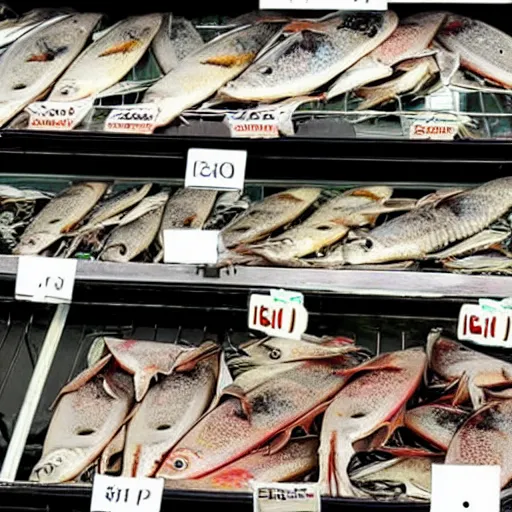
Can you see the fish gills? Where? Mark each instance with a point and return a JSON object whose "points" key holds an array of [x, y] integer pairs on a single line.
{"points": [[170, 408], [267, 215], [108, 59], [370, 405], [32, 64], [82, 425], [59, 216]]}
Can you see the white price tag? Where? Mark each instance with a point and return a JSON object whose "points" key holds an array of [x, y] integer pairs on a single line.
{"points": [[271, 497], [56, 115], [41, 279], [490, 328], [123, 494], [276, 318], [132, 119], [434, 129], [465, 488], [327, 5], [219, 169], [191, 246], [253, 124], [444, 99]]}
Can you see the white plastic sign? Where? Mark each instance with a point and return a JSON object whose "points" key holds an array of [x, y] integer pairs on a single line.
{"points": [[277, 318], [191, 246], [328, 5], [272, 497], [484, 326], [132, 119], [465, 488], [257, 124], [218, 169], [41, 279], [56, 115], [123, 494]]}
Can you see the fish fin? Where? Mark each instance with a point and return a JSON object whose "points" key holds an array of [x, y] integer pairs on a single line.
{"points": [[82, 379], [230, 61], [436, 197], [409, 451], [124, 47], [109, 387], [279, 442], [188, 360], [381, 435], [237, 392], [381, 363], [462, 394], [499, 395], [305, 25]]}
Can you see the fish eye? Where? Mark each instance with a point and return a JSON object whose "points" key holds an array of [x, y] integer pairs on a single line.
{"points": [[368, 243], [180, 464], [266, 70], [275, 354]]}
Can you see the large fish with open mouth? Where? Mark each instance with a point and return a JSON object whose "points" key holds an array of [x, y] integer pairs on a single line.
{"points": [[312, 54], [33, 63], [365, 413], [108, 59], [241, 424]]}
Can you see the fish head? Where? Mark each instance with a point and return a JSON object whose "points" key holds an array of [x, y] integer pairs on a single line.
{"points": [[60, 465], [183, 463], [367, 250], [34, 243]]}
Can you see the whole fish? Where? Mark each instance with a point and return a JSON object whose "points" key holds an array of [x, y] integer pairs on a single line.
{"points": [[241, 424], [130, 239], [366, 411], [453, 361], [107, 60], [483, 49], [264, 217], [484, 439], [176, 39], [436, 423], [31, 65], [431, 227], [417, 74], [146, 359], [490, 262], [413, 473], [201, 74], [60, 216], [312, 54], [296, 459], [169, 409], [330, 223], [82, 425], [410, 40]]}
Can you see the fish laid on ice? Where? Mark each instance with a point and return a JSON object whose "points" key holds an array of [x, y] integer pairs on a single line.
{"points": [[453, 361], [31, 65], [202, 73], [169, 409], [295, 460], [436, 423], [484, 439], [434, 226], [132, 237], [366, 411], [176, 39], [146, 359], [82, 425], [264, 217], [413, 473], [410, 40], [330, 223], [483, 49], [107, 60], [241, 424], [312, 54], [60, 216]]}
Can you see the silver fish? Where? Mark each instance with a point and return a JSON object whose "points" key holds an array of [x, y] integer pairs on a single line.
{"points": [[481, 263]]}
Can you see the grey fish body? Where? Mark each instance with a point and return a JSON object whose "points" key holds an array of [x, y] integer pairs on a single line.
{"points": [[492, 262], [32, 64], [432, 227]]}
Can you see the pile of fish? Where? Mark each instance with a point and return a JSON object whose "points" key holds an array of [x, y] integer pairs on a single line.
{"points": [[465, 230], [66, 56], [319, 410]]}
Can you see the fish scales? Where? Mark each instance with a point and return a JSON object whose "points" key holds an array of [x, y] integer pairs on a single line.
{"points": [[107, 60], [433, 226], [33, 63]]}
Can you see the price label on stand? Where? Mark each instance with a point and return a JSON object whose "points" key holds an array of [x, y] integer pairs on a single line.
{"points": [[465, 488], [253, 124], [122, 494], [191, 246], [219, 169], [48, 280], [271, 497], [488, 324], [327, 5], [56, 115], [132, 119], [278, 314]]}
